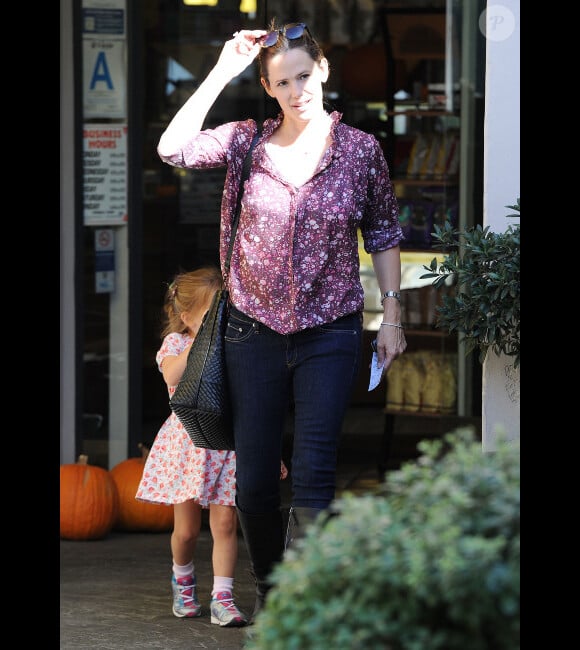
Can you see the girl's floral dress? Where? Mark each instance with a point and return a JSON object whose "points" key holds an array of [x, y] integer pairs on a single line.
{"points": [[176, 470]]}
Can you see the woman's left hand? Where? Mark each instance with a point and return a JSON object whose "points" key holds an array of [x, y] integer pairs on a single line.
{"points": [[391, 343]]}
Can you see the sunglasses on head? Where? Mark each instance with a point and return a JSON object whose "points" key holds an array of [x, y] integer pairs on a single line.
{"points": [[291, 31]]}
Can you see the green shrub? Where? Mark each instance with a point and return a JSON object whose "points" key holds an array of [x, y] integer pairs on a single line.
{"points": [[429, 561]]}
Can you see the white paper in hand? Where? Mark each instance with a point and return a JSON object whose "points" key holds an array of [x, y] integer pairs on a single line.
{"points": [[376, 373]]}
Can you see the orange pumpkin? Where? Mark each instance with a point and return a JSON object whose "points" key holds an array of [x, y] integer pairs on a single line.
{"points": [[134, 515], [88, 501]]}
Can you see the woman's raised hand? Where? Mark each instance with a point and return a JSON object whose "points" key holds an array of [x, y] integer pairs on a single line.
{"points": [[239, 51]]}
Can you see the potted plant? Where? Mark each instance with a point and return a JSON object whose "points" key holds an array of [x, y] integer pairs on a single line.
{"points": [[484, 266]]}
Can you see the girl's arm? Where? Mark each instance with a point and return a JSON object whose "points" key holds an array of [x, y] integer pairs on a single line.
{"points": [[172, 367]]}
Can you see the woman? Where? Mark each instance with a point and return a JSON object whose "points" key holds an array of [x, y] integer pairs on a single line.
{"points": [[295, 324]]}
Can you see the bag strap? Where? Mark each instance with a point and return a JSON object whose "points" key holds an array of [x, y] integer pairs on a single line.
{"points": [[245, 174]]}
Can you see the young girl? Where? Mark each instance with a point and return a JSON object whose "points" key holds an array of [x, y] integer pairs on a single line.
{"points": [[189, 477]]}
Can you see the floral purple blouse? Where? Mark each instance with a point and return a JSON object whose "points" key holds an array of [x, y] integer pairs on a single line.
{"points": [[295, 262]]}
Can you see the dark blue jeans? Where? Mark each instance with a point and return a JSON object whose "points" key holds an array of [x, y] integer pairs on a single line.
{"points": [[316, 370]]}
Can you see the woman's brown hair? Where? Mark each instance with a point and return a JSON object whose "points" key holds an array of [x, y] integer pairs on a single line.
{"points": [[305, 42]]}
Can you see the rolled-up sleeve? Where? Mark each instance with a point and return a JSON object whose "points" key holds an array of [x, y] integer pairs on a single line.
{"points": [[380, 226], [209, 148]]}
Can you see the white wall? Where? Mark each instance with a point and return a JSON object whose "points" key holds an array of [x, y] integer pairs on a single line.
{"points": [[501, 25]]}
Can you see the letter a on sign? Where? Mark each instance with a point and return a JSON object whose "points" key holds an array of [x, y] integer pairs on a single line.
{"points": [[104, 78], [101, 72]]}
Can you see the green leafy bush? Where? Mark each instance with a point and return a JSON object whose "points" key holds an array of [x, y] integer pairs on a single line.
{"points": [[485, 266], [430, 561]]}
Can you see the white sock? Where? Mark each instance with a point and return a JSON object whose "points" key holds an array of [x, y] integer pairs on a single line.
{"points": [[221, 583], [182, 571]]}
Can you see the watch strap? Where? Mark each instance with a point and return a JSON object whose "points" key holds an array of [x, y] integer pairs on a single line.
{"points": [[391, 294]]}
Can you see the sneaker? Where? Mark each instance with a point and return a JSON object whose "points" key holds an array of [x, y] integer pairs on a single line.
{"points": [[185, 601], [224, 611]]}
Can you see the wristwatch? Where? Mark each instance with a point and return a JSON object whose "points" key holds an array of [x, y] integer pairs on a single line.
{"points": [[391, 294]]}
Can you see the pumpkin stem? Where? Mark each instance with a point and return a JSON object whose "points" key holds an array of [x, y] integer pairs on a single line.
{"points": [[144, 450], [83, 459]]}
